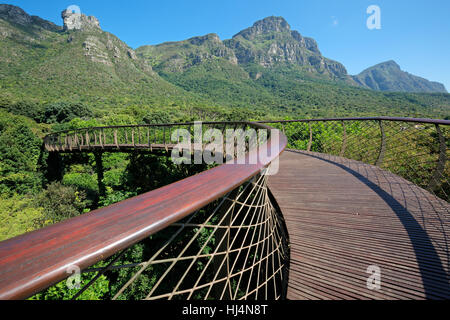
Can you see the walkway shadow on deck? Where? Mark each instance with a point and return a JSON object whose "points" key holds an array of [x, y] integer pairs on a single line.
{"points": [[413, 228]]}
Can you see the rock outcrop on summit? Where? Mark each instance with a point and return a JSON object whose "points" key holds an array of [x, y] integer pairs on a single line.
{"points": [[79, 21]]}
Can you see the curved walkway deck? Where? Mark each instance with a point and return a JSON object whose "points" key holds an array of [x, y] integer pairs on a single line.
{"points": [[344, 216]]}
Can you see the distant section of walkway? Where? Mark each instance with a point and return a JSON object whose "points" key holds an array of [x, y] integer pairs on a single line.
{"points": [[344, 216]]}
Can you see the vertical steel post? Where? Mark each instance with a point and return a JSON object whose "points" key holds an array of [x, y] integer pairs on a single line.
{"points": [[435, 180], [344, 140], [380, 158], [310, 137]]}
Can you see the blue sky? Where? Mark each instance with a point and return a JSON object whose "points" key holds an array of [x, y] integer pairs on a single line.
{"points": [[416, 34]]}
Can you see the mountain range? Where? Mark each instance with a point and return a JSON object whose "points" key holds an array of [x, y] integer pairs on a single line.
{"points": [[270, 42], [266, 67]]}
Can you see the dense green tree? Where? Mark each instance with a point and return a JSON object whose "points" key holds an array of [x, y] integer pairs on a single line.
{"points": [[18, 215], [19, 154], [61, 112], [61, 203], [29, 109]]}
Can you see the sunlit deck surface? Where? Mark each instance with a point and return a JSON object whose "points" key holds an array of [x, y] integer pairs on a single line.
{"points": [[344, 216]]}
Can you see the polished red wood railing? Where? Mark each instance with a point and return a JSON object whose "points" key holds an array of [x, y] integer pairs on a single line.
{"points": [[32, 262]]}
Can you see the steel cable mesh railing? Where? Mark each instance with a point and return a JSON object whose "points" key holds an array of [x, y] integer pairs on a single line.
{"points": [[153, 137], [415, 150], [234, 248]]}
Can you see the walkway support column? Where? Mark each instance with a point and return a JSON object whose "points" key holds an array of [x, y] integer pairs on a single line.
{"points": [[100, 172], [54, 170]]}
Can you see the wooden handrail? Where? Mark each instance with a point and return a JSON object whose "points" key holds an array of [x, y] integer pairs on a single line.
{"points": [[417, 120], [149, 126], [37, 260]]}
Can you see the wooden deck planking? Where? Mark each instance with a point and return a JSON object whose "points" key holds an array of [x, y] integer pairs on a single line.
{"points": [[343, 216]]}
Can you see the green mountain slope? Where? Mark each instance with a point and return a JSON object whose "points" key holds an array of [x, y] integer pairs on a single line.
{"points": [[388, 76], [204, 65], [89, 65], [327, 98]]}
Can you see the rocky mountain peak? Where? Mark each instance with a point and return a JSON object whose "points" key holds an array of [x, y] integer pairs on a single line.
{"points": [[79, 21], [17, 15], [388, 76], [273, 23], [271, 42], [391, 64], [14, 14], [200, 40], [266, 25]]}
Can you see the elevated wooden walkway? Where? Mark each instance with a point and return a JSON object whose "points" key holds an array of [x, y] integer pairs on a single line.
{"points": [[344, 216]]}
